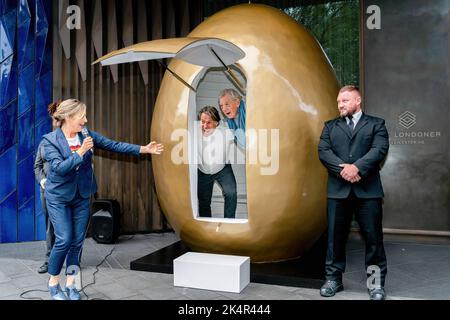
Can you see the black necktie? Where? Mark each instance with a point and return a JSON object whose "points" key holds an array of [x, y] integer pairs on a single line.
{"points": [[350, 123]]}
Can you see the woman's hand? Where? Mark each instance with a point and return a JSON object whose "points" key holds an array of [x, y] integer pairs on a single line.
{"points": [[87, 145], [152, 147]]}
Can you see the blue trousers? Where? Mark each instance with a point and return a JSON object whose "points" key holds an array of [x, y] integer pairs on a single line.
{"points": [[205, 185], [70, 221]]}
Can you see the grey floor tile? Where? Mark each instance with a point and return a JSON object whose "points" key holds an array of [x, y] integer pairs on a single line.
{"points": [[260, 291], [133, 282], [414, 253], [11, 297], [4, 277], [34, 293], [101, 279], [183, 298], [414, 272], [7, 289], [114, 291], [197, 294], [434, 290], [160, 293], [27, 281], [96, 296], [137, 297], [11, 268], [297, 296], [428, 269]]}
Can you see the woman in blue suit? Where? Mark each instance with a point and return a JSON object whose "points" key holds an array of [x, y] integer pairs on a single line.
{"points": [[70, 184]]}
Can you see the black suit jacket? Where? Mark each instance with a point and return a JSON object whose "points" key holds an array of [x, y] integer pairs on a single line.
{"points": [[365, 147]]}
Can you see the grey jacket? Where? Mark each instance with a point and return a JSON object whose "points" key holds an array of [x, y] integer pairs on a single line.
{"points": [[41, 167]]}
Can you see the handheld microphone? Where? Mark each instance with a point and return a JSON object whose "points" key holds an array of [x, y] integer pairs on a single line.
{"points": [[85, 134]]}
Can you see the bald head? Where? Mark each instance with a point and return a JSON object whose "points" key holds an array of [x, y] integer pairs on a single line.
{"points": [[350, 88], [349, 101]]}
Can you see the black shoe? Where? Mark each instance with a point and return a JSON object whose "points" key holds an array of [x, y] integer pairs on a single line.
{"points": [[330, 288], [43, 268], [377, 294]]}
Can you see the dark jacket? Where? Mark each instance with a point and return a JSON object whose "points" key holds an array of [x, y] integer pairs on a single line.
{"points": [[41, 167], [365, 147], [68, 171]]}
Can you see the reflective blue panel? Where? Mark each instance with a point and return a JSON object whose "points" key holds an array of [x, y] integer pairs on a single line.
{"points": [[24, 11], [43, 14], [40, 49], [26, 222], [5, 74], [26, 88], [40, 227], [8, 81], [5, 47], [26, 134], [8, 127], [25, 185], [8, 173], [41, 129], [41, 43], [8, 23], [25, 45], [8, 5], [22, 35], [47, 63], [43, 96], [8, 219]]}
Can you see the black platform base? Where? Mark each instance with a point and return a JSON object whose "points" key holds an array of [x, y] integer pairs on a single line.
{"points": [[306, 272]]}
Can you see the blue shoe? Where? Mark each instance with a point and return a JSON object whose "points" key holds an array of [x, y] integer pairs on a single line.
{"points": [[73, 293], [56, 292]]}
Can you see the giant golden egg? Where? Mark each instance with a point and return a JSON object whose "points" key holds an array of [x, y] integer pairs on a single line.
{"points": [[290, 87]]}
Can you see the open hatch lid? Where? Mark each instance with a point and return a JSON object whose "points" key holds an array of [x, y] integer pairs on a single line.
{"points": [[207, 52]]}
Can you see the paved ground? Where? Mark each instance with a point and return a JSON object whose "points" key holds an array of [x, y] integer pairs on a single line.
{"points": [[415, 271]]}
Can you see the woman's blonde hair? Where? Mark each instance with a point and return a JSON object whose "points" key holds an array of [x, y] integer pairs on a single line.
{"points": [[60, 111]]}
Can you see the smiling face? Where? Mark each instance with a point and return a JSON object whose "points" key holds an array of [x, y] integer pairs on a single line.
{"points": [[349, 103], [229, 106], [208, 124], [76, 122]]}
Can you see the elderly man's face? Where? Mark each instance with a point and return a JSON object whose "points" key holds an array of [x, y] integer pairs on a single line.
{"points": [[228, 106], [349, 102]]}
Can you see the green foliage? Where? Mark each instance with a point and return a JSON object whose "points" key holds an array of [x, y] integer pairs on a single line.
{"points": [[336, 27]]}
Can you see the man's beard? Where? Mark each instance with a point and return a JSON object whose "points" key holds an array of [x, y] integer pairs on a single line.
{"points": [[343, 114]]}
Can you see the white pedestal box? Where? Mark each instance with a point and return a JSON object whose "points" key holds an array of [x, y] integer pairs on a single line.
{"points": [[216, 272]]}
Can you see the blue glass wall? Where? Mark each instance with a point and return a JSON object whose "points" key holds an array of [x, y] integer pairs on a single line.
{"points": [[25, 92]]}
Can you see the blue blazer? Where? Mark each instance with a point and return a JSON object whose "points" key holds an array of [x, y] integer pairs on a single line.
{"points": [[68, 171], [365, 147]]}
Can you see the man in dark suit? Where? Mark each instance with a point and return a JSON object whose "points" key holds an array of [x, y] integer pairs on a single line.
{"points": [[352, 148], [41, 168]]}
